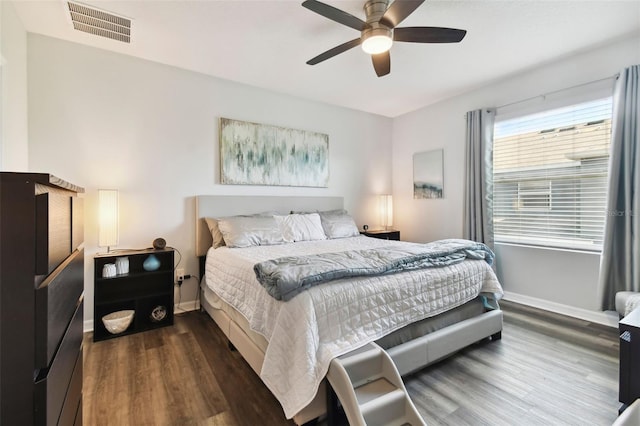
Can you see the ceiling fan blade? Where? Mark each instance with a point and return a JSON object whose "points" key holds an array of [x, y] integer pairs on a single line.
{"points": [[398, 11], [382, 63], [334, 14], [428, 34], [335, 51]]}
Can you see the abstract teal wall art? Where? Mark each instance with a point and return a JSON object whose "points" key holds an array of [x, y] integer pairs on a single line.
{"points": [[260, 154], [428, 174]]}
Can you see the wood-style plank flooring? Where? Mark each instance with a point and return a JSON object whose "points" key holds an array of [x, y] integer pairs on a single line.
{"points": [[546, 370]]}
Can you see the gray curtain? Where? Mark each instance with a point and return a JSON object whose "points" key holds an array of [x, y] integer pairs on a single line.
{"points": [[620, 262], [478, 188]]}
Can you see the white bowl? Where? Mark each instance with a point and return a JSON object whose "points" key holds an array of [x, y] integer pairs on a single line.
{"points": [[117, 322]]}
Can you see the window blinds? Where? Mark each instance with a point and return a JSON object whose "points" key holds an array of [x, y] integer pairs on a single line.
{"points": [[550, 176]]}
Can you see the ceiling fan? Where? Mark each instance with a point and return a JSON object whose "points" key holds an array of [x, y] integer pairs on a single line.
{"points": [[379, 31]]}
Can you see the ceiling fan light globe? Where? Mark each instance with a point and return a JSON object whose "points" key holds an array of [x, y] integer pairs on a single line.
{"points": [[377, 44]]}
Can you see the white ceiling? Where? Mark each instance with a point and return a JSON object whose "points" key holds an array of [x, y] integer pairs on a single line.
{"points": [[265, 43]]}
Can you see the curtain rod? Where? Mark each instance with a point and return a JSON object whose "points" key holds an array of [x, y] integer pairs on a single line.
{"points": [[615, 76]]}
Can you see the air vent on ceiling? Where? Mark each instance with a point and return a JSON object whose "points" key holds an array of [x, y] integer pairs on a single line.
{"points": [[99, 22]]}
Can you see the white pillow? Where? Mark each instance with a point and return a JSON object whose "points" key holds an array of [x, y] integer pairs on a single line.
{"points": [[216, 235], [301, 227], [338, 224], [247, 231]]}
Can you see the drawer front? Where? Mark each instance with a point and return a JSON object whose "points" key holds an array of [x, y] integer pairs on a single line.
{"points": [[73, 400], [77, 223], [78, 421], [53, 230], [52, 385], [629, 384], [626, 361], [56, 301]]}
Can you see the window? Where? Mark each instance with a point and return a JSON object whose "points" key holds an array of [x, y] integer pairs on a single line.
{"points": [[550, 176]]}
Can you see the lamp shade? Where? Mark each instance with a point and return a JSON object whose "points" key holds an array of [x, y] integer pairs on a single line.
{"points": [[386, 210], [108, 218]]}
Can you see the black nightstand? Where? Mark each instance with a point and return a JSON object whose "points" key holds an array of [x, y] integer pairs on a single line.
{"points": [[629, 384], [148, 293], [382, 234]]}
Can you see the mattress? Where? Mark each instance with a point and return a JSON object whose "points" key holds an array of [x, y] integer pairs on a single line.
{"points": [[305, 333]]}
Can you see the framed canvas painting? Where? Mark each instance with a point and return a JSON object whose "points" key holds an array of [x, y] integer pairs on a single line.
{"points": [[428, 174], [260, 154]]}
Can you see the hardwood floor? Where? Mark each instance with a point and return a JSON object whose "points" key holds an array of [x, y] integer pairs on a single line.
{"points": [[546, 370], [179, 375]]}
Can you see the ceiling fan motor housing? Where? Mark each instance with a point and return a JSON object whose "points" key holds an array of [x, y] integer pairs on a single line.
{"points": [[374, 10]]}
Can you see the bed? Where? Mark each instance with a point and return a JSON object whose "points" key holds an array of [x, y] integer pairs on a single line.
{"points": [[419, 316]]}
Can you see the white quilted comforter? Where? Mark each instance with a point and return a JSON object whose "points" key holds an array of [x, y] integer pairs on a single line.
{"points": [[308, 331]]}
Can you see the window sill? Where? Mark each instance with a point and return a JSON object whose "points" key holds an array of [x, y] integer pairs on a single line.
{"points": [[533, 246]]}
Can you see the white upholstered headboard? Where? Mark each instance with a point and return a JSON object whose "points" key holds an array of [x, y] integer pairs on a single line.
{"points": [[230, 205]]}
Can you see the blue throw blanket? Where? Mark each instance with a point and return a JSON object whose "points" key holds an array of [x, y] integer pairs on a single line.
{"points": [[285, 277]]}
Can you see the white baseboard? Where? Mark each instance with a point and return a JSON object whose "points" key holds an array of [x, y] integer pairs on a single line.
{"points": [[186, 306], [608, 318], [178, 308]]}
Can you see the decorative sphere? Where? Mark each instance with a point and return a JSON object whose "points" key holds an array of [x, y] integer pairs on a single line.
{"points": [[159, 243]]}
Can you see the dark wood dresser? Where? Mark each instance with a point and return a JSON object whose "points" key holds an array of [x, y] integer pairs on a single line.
{"points": [[41, 300]]}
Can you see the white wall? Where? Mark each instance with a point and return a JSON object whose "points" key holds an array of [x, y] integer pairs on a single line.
{"points": [[105, 120], [522, 271], [13, 73]]}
